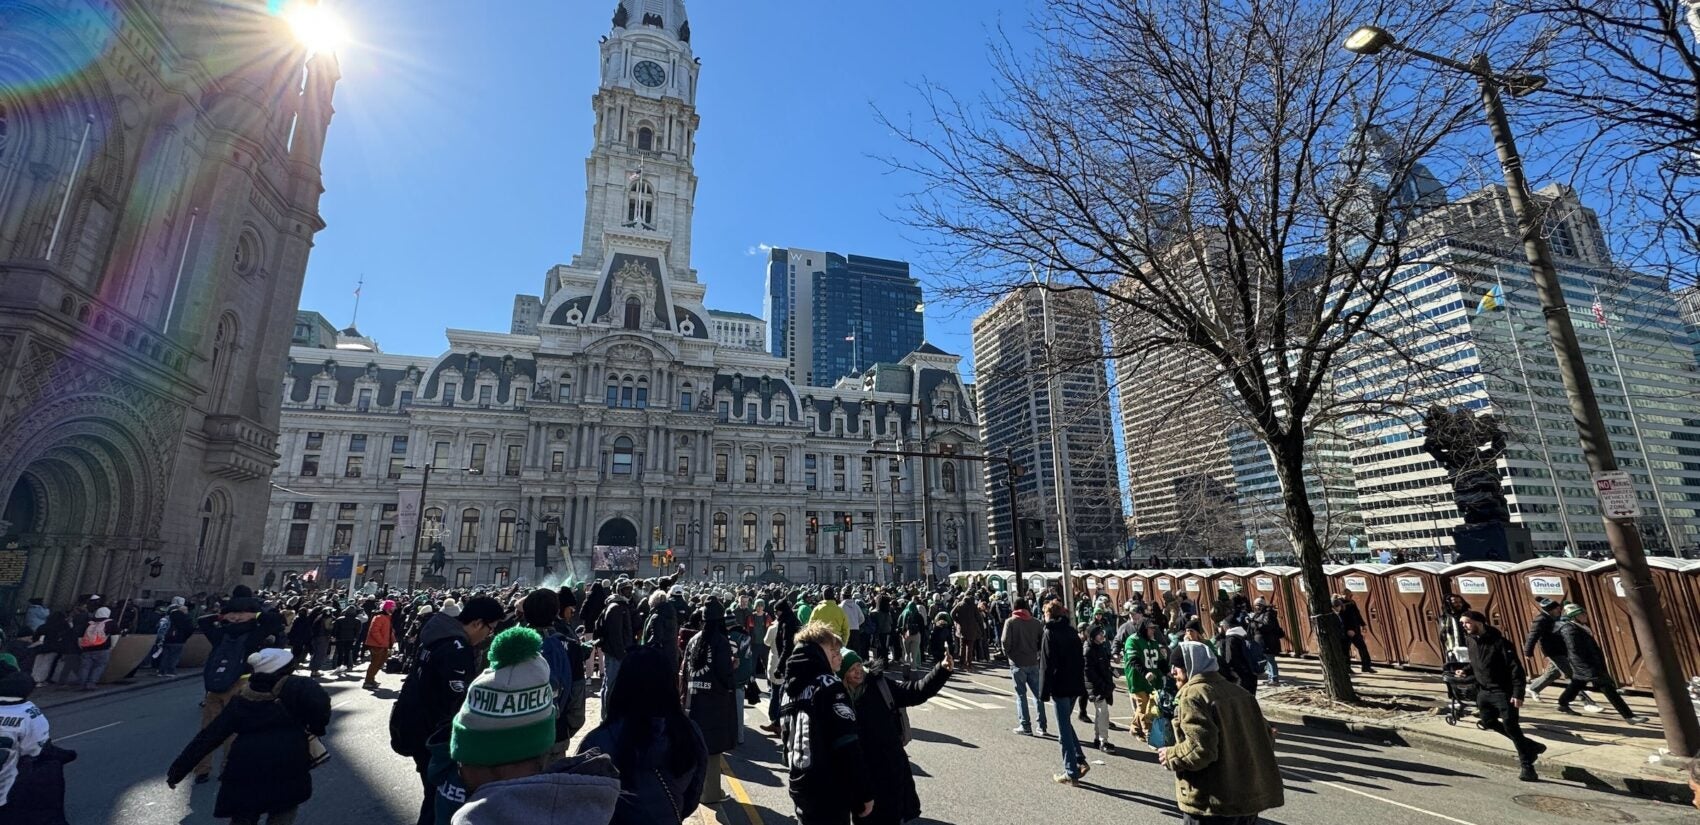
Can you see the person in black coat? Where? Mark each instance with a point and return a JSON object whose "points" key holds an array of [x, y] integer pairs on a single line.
{"points": [[785, 627], [1500, 679], [1237, 663], [658, 751], [269, 772], [1353, 623], [881, 726], [713, 698], [1062, 679], [1588, 666], [1100, 684]]}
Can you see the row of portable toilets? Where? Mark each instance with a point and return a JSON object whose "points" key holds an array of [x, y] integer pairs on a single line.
{"points": [[1403, 602]]}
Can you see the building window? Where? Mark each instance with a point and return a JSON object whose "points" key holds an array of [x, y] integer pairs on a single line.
{"points": [[449, 391], [511, 467], [685, 397], [315, 441], [303, 510], [634, 313], [948, 472], [811, 536], [719, 535], [779, 468], [365, 402], [778, 532], [469, 530], [356, 467], [646, 138], [342, 537], [463, 577], [841, 536], [297, 544], [309, 465], [406, 399], [564, 392], [386, 529], [321, 396], [398, 445], [747, 531], [357, 443], [684, 467], [519, 397], [485, 394], [440, 455], [643, 394], [501, 577], [397, 464], [749, 469], [476, 465], [557, 461], [613, 394], [623, 448], [941, 411], [720, 468], [505, 522], [810, 462], [867, 474], [626, 398], [640, 205], [725, 412]]}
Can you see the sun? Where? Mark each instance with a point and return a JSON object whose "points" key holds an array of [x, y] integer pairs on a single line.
{"points": [[316, 27]]}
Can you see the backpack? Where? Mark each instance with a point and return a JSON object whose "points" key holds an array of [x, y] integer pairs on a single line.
{"points": [[225, 664], [409, 725], [904, 732], [94, 636]]}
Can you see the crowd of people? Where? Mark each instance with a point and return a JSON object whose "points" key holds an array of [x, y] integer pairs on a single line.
{"points": [[493, 699]]}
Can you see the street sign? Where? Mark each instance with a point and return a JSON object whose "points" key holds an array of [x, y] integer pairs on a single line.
{"points": [[940, 558], [339, 566], [1616, 491], [832, 528]]}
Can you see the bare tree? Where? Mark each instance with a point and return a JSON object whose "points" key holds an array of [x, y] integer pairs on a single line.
{"points": [[1203, 168]]}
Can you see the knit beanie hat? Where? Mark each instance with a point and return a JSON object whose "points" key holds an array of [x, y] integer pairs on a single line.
{"points": [[851, 659], [509, 714], [451, 608], [270, 659], [1572, 610]]}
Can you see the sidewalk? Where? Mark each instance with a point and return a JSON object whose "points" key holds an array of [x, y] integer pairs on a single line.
{"points": [[1599, 750], [53, 696]]}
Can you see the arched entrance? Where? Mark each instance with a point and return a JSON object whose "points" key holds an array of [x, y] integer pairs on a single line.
{"points": [[617, 532]]}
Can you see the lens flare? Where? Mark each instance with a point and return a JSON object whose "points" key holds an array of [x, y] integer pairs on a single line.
{"points": [[316, 27]]}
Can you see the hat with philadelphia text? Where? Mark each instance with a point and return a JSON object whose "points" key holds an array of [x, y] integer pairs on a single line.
{"points": [[509, 714]]}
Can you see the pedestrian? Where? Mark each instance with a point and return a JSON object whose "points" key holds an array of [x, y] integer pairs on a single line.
{"points": [[969, 624], [829, 779], [940, 642], [1242, 658], [1588, 666], [614, 636], [1543, 633], [95, 645], [1224, 751], [324, 627], [436, 687], [1143, 658], [36, 614], [1265, 624], [1500, 681], [52, 637], [660, 755], [571, 718], [1451, 629], [501, 739], [1100, 685], [233, 632], [782, 643], [175, 630], [1022, 637], [32, 768], [885, 628], [856, 619], [912, 623], [273, 719], [831, 613], [345, 632], [1353, 623], [380, 637], [661, 627], [1062, 680], [712, 696], [882, 726]]}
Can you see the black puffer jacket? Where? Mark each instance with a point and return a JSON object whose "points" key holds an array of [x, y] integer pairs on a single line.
{"points": [[1587, 660], [268, 769], [1100, 679], [1495, 664], [1062, 668], [1543, 632], [895, 798]]}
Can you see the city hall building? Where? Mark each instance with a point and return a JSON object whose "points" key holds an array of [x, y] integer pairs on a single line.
{"points": [[610, 424]]}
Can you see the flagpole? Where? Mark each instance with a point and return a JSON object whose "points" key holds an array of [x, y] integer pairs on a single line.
{"points": [[1634, 425], [1571, 549]]}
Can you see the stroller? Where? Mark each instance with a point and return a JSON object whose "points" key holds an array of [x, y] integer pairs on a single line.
{"points": [[1461, 686]]}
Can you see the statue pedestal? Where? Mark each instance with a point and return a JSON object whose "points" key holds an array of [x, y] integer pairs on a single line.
{"points": [[430, 582], [1493, 542]]}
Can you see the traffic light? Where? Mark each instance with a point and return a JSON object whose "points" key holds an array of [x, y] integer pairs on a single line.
{"points": [[655, 534], [655, 560], [814, 525], [847, 522], [1033, 533]]}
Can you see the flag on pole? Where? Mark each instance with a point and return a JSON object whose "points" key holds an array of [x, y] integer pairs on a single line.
{"points": [[1599, 311], [1492, 301], [850, 337]]}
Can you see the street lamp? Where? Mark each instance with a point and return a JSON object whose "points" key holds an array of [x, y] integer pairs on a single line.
{"points": [[1682, 732]]}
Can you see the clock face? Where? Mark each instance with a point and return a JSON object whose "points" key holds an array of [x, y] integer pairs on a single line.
{"points": [[649, 73]]}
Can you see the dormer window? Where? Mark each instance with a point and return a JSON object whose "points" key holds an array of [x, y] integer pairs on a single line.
{"points": [[646, 139], [942, 411]]}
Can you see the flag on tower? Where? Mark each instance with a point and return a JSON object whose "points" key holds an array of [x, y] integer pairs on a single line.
{"points": [[1492, 301], [1599, 311]]}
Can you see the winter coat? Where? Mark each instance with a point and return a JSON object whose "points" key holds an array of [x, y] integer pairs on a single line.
{"points": [[1352, 619], [912, 620], [650, 786], [881, 733], [829, 612], [1100, 678], [1224, 753], [178, 627], [269, 768], [1266, 623], [713, 700], [823, 749], [1495, 664], [968, 622], [346, 629], [436, 688], [1587, 661], [380, 633], [661, 630], [1022, 635], [614, 629], [1543, 633], [567, 793], [1143, 664], [1062, 669]]}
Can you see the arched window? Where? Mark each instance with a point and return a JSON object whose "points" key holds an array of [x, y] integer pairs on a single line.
{"points": [[640, 204], [941, 411], [463, 577], [747, 531], [686, 397], [643, 393], [645, 139], [634, 313], [469, 530], [501, 577], [622, 456], [778, 532], [505, 522], [224, 339], [613, 392], [949, 473], [627, 387], [720, 524]]}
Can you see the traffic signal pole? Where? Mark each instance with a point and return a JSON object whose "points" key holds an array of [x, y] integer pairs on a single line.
{"points": [[1015, 472]]}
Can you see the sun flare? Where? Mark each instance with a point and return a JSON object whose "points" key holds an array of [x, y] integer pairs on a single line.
{"points": [[316, 27]]}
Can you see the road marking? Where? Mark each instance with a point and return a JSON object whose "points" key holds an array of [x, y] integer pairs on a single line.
{"points": [[992, 688], [90, 730], [945, 703], [1396, 804], [739, 793], [965, 700]]}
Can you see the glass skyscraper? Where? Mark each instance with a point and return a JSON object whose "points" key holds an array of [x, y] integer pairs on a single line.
{"points": [[832, 316]]}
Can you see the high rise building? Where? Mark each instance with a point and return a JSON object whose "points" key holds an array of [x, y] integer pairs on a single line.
{"points": [[159, 195], [831, 316], [619, 428], [1468, 322], [1012, 378], [738, 330], [1688, 304]]}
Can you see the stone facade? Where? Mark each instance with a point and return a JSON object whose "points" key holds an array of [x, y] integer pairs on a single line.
{"points": [[159, 189], [620, 422]]}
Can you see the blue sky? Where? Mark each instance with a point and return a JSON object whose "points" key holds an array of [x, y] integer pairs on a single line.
{"points": [[455, 166]]}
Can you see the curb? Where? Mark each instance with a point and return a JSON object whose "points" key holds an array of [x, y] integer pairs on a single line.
{"points": [[115, 689], [1675, 789]]}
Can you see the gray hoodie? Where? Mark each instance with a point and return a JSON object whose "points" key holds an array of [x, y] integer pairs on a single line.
{"points": [[572, 792]]}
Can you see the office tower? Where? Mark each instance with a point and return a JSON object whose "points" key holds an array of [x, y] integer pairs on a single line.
{"points": [[831, 316]]}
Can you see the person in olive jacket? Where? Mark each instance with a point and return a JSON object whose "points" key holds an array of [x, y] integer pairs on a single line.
{"points": [[1062, 679], [1224, 751], [879, 701]]}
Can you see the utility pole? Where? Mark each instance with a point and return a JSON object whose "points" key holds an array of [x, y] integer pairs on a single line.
{"points": [[418, 531]]}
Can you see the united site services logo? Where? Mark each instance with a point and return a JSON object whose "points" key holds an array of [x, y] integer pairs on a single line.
{"points": [[487, 701]]}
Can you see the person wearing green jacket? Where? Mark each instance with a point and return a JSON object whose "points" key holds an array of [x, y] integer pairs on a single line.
{"points": [[912, 624], [829, 613], [1142, 657]]}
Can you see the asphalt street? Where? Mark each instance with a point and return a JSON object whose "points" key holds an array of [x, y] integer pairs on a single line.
{"points": [[968, 763]]}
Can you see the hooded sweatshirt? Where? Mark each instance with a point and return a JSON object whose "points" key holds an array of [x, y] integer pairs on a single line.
{"points": [[828, 772], [578, 791]]}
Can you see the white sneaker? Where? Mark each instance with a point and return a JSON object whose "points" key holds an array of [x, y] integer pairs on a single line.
{"points": [[1593, 709], [1532, 695], [1637, 720]]}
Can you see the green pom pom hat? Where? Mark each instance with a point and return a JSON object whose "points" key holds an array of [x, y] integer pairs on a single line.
{"points": [[509, 714]]}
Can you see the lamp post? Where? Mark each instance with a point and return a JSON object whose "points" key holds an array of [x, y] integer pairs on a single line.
{"points": [[693, 538], [1682, 732], [1058, 462], [419, 524]]}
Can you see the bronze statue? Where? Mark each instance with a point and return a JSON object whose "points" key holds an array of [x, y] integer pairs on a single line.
{"points": [[438, 559], [767, 556], [1469, 447]]}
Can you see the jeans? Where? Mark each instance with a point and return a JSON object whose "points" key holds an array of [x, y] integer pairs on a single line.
{"points": [[1024, 678], [273, 818], [169, 654], [94, 666], [1270, 669], [610, 672], [1551, 674], [1496, 713], [1074, 759], [1604, 686], [1101, 719]]}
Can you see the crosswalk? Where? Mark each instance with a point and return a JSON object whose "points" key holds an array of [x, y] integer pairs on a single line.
{"points": [[952, 700]]}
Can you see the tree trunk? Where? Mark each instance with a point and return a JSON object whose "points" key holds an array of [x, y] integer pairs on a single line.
{"points": [[1301, 529]]}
